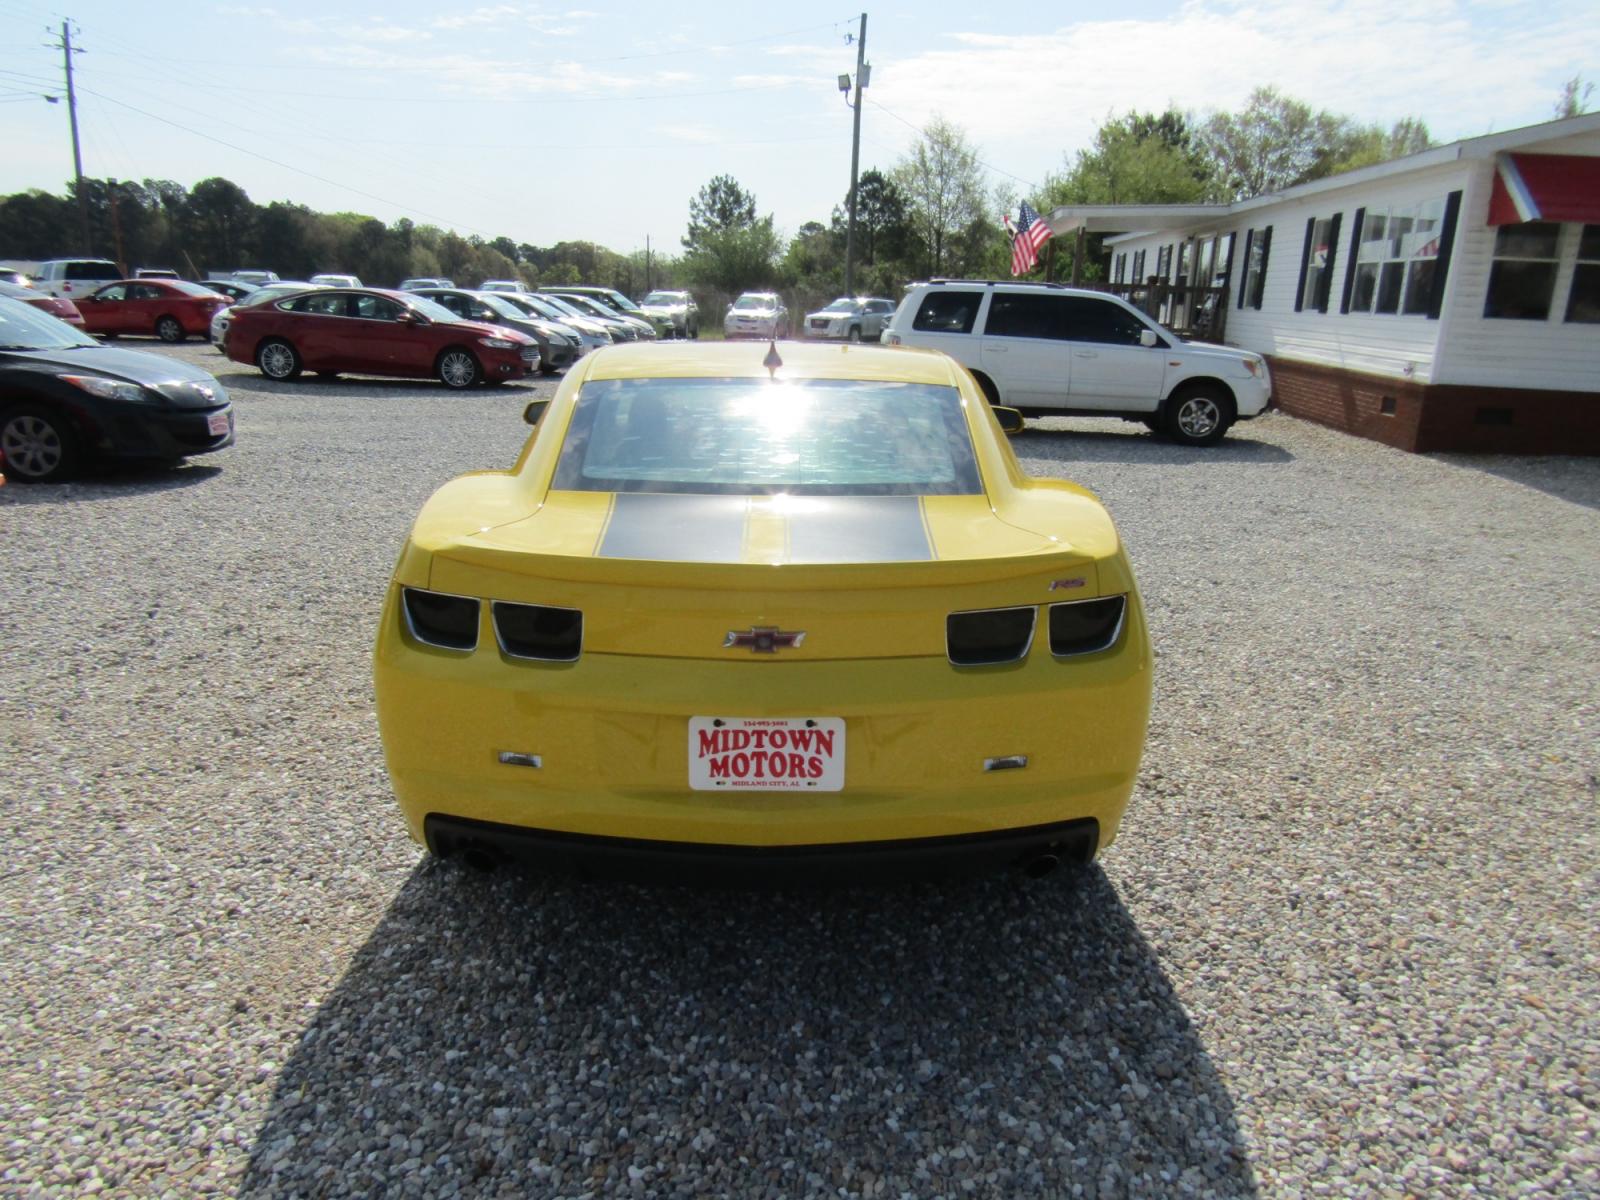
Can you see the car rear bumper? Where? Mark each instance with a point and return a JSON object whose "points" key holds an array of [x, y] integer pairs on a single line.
{"points": [[1035, 849], [606, 746]]}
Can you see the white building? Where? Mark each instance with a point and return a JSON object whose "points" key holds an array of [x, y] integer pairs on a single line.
{"points": [[1445, 301]]}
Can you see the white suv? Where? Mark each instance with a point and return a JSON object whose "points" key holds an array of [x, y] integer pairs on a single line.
{"points": [[1045, 348], [71, 278]]}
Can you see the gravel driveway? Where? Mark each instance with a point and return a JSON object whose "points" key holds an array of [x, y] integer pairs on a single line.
{"points": [[1346, 943]]}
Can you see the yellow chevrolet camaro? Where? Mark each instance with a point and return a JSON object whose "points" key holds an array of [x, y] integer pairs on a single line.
{"points": [[770, 609]]}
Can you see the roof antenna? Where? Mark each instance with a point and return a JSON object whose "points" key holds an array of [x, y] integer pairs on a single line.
{"points": [[772, 362]]}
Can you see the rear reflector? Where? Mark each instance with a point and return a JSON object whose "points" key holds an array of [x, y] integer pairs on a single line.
{"points": [[992, 635], [538, 632], [1086, 626], [438, 619]]}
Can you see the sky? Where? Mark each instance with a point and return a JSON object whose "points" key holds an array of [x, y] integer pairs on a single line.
{"points": [[547, 123]]}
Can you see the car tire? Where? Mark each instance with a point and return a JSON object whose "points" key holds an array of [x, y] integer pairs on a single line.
{"points": [[458, 368], [1198, 415], [694, 331], [1153, 424], [987, 387], [278, 360], [855, 333], [170, 330], [39, 444]]}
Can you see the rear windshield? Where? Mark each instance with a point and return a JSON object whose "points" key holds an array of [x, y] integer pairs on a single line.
{"points": [[93, 270], [754, 437]]}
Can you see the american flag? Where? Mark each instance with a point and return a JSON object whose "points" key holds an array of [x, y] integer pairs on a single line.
{"points": [[1027, 236]]}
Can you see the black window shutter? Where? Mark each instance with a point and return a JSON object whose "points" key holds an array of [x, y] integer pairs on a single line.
{"points": [[1350, 267], [1325, 283], [1266, 255], [1447, 243], [1305, 265], [1244, 271]]}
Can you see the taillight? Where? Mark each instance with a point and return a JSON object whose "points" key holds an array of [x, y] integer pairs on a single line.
{"points": [[1086, 626], [987, 636], [438, 619], [538, 631]]}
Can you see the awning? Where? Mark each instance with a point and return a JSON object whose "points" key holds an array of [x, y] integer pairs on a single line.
{"points": [[1545, 187]]}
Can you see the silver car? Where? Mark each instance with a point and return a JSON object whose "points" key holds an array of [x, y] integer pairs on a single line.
{"points": [[591, 334], [757, 315], [677, 307], [859, 320]]}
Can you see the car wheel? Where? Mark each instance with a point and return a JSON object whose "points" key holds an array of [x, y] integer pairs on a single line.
{"points": [[855, 333], [168, 329], [457, 368], [987, 387], [39, 445], [1153, 424], [1199, 416], [278, 360], [548, 368]]}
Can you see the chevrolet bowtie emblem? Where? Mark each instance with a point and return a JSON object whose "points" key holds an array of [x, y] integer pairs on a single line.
{"points": [[763, 639]]}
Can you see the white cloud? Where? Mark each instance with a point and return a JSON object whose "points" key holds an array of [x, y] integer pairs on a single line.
{"points": [[1458, 69]]}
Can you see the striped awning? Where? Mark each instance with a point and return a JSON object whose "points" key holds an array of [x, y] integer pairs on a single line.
{"points": [[1545, 187]]}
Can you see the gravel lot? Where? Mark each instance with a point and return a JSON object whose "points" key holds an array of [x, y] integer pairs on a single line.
{"points": [[1345, 945]]}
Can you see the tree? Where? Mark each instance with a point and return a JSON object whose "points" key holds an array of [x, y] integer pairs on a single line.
{"points": [[221, 217], [883, 218], [1277, 141], [1574, 101], [943, 185], [722, 206], [1139, 158], [727, 246]]}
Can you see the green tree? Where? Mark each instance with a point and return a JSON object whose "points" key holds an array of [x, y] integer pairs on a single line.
{"points": [[727, 246], [1139, 158], [1276, 141], [943, 185], [221, 219]]}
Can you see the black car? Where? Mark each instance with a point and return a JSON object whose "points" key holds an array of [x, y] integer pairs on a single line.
{"points": [[557, 349], [65, 398]]}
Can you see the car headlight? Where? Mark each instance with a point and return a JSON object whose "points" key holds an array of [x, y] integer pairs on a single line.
{"points": [[496, 343], [106, 389]]}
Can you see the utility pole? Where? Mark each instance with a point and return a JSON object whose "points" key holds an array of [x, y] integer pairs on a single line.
{"points": [[116, 226], [77, 155], [855, 162], [647, 285]]}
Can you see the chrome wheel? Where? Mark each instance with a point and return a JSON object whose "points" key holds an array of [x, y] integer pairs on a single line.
{"points": [[278, 360], [458, 369], [1199, 416], [35, 449]]}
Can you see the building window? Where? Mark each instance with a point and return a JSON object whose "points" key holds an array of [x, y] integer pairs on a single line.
{"points": [[1583, 304], [1398, 258], [1322, 235], [1164, 262], [1121, 268], [1138, 266], [1522, 281], [1257, 249]]}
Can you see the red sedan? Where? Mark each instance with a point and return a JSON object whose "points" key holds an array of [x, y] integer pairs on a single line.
{"points": [[56, 306], [367, 331], [169, 309]]}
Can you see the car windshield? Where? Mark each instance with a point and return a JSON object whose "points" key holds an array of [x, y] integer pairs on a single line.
{"points": [[557, 303], [189, 289], [273, 291], [845, 306], [433, 310], [755, 302], [757, 437], [618, 300], [664, 298], [24, 327], [503, 306]]}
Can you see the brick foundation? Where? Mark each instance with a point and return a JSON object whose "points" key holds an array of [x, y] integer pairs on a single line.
{"points": [[1425, 417]]}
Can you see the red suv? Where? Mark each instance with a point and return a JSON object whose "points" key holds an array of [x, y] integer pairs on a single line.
{"points": [[169, 309], [371, 332]]}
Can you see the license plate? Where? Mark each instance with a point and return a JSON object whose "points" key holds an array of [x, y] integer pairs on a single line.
{"points": [[766, 754], [218, 423]]}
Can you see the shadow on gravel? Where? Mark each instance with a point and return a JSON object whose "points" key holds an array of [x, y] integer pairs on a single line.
{"points": [[1570, 478], [1141, 447], [506, 1035], [110, 481]]}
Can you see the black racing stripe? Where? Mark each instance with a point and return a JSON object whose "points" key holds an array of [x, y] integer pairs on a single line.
{"points": [[668, 528], [847, 529]]}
